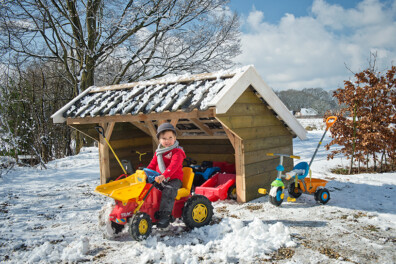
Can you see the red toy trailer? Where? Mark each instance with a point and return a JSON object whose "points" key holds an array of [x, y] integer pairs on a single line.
{"points": [[218, 187]]}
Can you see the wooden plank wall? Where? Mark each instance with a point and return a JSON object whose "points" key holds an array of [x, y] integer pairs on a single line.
{"points": [[261, 132], [126, 139], [208, 149]]}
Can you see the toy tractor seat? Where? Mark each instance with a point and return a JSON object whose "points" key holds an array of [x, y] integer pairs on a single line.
{"points": [[188, 177]]}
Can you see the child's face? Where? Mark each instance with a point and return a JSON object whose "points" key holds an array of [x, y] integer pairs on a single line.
{"points": [[167, 139]]}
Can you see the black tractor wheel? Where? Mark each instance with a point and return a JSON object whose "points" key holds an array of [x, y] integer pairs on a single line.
{"points": [[197, 211], [231, 193], [293, 191], [117, 228], [140, 226], [322, 196], [276, 198]]}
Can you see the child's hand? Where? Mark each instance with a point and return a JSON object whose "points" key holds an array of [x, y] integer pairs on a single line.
{"points": [[160, 178]]}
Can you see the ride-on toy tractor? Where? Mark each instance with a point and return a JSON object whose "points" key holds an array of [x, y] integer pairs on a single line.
{"points": [[137, 202], [299, 184]]}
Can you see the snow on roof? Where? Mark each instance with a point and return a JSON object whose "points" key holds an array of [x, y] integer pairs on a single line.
{"points": [[176, 93]]}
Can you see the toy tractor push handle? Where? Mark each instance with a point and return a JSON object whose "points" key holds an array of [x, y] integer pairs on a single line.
{"points": [[283, 155], [330, 121]]}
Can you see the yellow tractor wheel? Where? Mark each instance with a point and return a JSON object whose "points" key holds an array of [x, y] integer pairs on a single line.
{"points": [[197, 211], [140, 226]]}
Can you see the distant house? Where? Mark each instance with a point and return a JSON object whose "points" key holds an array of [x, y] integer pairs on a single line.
{"points": [[231, 116], [306, 112]]}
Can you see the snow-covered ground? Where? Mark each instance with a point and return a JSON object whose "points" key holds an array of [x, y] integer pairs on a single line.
{"points": [[53, 215]]}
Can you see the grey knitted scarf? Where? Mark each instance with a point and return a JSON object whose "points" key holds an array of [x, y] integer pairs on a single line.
{"points": [[161, 150]]}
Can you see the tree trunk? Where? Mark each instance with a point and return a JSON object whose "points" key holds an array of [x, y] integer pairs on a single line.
{"points": [[354, 138]]}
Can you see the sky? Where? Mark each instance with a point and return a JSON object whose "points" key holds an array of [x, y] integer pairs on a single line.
{"points": [[315, 43]]}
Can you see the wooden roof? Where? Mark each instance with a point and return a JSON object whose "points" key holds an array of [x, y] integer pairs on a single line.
{"points": [[185, 96]]}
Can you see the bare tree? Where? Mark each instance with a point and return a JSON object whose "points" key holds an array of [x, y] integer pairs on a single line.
{"points": [[139, 39]]}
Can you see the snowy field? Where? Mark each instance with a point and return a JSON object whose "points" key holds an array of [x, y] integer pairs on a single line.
{"points": [[53, 216]]}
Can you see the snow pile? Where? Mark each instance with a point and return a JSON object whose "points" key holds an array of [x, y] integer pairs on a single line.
{"points": [[54, 216], [231, 240], [68, 252]]}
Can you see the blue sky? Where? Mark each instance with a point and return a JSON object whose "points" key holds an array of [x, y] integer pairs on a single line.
{"points": [[315, 43]]}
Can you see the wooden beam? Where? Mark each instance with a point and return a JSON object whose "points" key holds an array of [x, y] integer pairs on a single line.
{"points": [[230, 134], [141, 127], [240, 171], [83, 132], [104, 162], [174, 123], [211, 112], [109, 130], [152, 130], [160, 122], [203, 137], [203, 127]]}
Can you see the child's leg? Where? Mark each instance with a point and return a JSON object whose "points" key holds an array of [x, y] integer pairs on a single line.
{"points": [[169, 194]]}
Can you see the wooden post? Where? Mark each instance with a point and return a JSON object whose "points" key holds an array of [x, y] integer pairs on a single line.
{"points": [[152, 131], [237, 143], [240, 170], [104, 158]]}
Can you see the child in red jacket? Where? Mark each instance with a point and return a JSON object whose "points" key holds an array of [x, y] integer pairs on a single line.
{"points": [[167, 160]]}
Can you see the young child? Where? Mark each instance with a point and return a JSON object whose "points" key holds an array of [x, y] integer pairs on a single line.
{"points": [[167, 160]]}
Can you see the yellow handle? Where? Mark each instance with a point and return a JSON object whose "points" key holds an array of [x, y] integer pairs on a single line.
{"points": [[262, 191], [119, 162], [270, 154], [140, 155], [295, 157]]}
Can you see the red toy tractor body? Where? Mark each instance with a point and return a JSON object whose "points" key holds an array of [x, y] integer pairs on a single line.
{"points": [[136, 204]]}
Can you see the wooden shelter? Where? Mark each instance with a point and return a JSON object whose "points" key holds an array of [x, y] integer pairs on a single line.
{"points": [[228, 116]]}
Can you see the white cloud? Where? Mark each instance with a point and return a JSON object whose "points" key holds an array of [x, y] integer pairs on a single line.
{"points": [[312, 51]]}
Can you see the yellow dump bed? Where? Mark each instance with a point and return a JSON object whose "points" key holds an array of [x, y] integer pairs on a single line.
{"points": [[125, 189]]}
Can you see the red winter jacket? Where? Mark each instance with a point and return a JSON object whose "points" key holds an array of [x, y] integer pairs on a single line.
{"points": [[173, 160]]}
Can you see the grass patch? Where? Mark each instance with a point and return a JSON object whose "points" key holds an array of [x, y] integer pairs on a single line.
{"points": [[254, 207], [345, 171], [371, 228], [311, 128]]}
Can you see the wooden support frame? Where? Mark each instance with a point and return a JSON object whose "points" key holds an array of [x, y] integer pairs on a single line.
{"points": [[142, 127], [153, 131], [240, 171], [202, 126], [104, 155], [237, 143], [211, 112]]}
